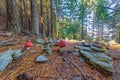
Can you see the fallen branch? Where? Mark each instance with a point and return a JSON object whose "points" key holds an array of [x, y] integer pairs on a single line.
{"points": [[6, 44], [6, 34], [10, 41], [5, 41], [78, 68], [47, 77], [67, 58]]}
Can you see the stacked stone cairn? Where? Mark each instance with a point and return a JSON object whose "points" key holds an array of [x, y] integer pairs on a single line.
{"points": [[95, 54]]}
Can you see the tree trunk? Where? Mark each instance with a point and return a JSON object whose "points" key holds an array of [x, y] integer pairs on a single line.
{"points": [[102, 30], [34, 17], [21, 13], [82, 36], [49, 22], [42, 21], [52, 28], [13, 18], [57, 18], [93, 30], [26, 24], [98, 31]]}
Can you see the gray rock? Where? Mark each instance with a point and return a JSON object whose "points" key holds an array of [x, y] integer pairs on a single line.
{"points": [[38, 44], [81, 60], [39, 40], [17, 54], [75, 53], [33, 51], [41, 58], [77, 78], [5, 59]]}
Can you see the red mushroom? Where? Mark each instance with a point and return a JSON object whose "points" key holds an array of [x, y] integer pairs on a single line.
{"points": [[28, 44], [62, 43]]}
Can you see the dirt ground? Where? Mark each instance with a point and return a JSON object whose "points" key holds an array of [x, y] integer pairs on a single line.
{"points": [[56, 68]]}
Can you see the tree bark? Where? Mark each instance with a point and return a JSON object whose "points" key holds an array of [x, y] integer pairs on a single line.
{"points": [[42, 20], [52, 28], [34, 17], [49, 21], [82, 36], [26, 17], [13, 18]]}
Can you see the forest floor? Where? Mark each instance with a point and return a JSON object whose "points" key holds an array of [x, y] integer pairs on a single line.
{"points": [[56, 68]]}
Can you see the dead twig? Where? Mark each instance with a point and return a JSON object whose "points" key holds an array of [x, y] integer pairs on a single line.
{"points": [[46, 77], [10, 41], [5, 41], [78, 68], [6, 44], [67, 58]]}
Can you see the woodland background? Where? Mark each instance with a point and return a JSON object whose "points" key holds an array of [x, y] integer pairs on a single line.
{"points": [[72, 19]]}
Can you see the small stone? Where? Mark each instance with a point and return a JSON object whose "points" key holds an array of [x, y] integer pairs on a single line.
{"points": [[38, 45], [77, 78], [75, 53], [81, 60], [33, 51], [41, 58]]}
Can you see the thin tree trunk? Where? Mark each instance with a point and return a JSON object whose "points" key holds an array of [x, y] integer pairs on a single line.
{"points": [[21, 14], [34, 12], [57, 19], [49, 22], [42, 20], [102, 29], [26, 15], [82, 36], [52, 28], [93, 30], [98, 31], [13, 18]]}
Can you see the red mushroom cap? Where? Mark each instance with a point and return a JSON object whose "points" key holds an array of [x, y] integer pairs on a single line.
{"points": [[62, 43], [28, 44]]}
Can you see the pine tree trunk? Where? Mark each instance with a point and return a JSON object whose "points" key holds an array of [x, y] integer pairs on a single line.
{"points": [[21, 13], [26, 27], [49, 22], [57, 18], [52, 28], [102, 30], [93, 30], [13, 18], [34, 17], [82, 36], [42, 21]]}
